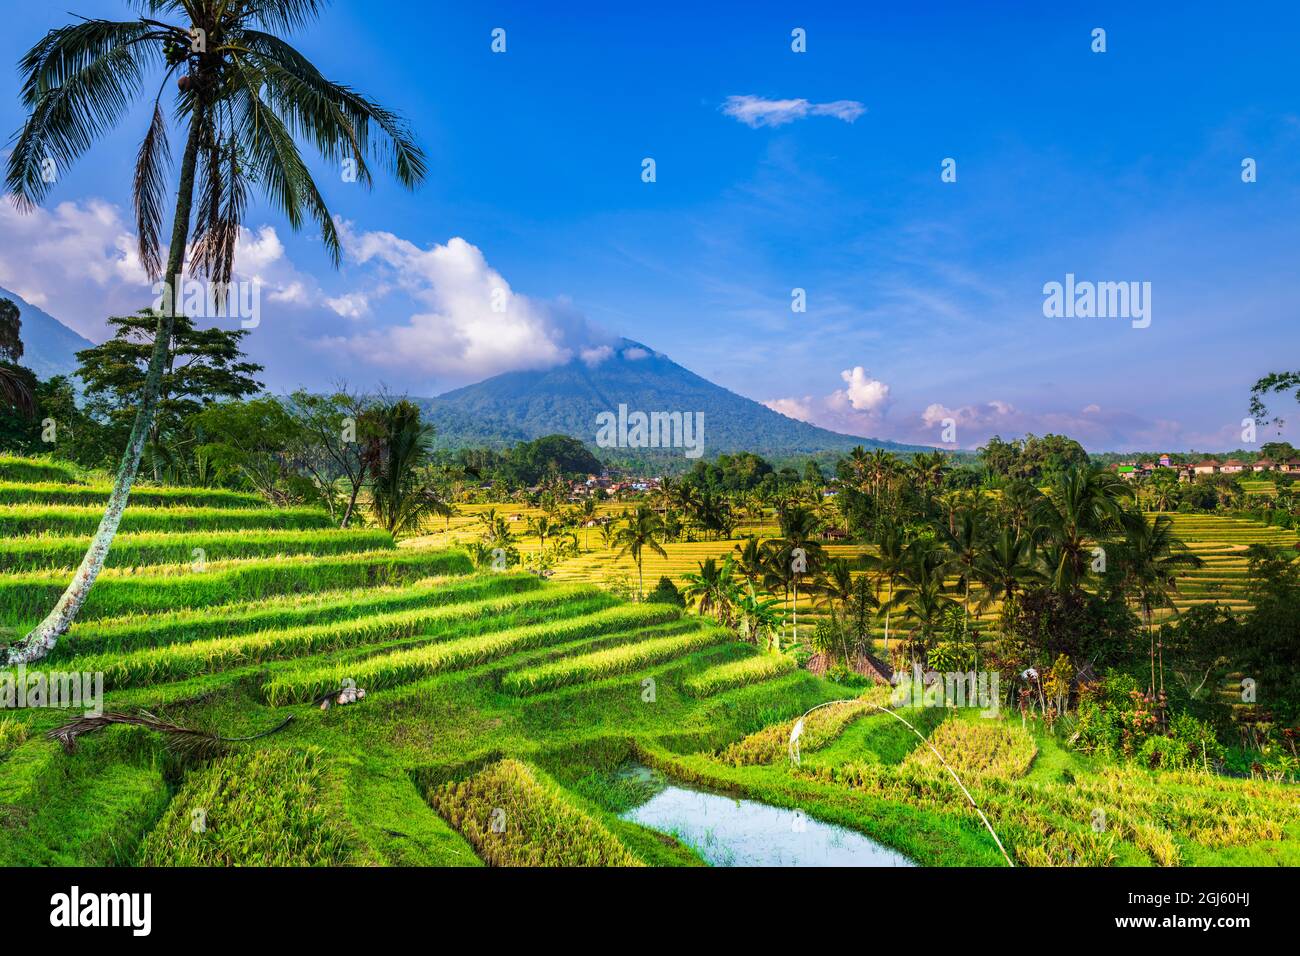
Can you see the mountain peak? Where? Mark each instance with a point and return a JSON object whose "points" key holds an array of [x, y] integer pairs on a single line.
{"points": [[622, 378]]}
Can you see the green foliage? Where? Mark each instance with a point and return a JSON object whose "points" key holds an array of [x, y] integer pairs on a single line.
{"points": [[513, 816], [22, 520], [666, 592], [26, 596], [748, 670], [133, 550], [257, 808], [610, 662], [405, 666]]}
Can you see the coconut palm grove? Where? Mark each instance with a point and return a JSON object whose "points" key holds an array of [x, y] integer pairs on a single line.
{"points": [[485, 595]]}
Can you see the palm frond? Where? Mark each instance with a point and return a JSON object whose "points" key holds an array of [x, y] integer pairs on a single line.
{"points": [[183, 741], [286, 15], [78, 81], [334, 115], [276, 162], [149, 192], [16, 394]]}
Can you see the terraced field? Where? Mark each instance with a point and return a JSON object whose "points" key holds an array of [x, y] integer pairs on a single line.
{"points": [[1219, 540], [501, 716]]}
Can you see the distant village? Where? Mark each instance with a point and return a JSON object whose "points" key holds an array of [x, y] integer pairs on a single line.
{"points": [[1187, 471]]}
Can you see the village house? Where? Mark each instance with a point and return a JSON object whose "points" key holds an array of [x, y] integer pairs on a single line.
{"points": [[1232, 466], [1263, 464], [1166, 462], [1207, 467], [1292, 467]]}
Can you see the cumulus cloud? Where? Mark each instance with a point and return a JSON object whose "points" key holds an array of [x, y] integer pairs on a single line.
{"points": [[78, 261], [756, 111], [469, 321], [862, 394], [856, 409]]}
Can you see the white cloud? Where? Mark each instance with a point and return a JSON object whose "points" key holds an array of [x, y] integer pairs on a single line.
{"points": [[797, 408], [470, 323], [635, 354], [856, 409], [756, 111], [863, 394], [594, 356]]}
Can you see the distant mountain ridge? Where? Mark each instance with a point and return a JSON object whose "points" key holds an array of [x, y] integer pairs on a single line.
{"points": [[49, 346], [566, 399]]}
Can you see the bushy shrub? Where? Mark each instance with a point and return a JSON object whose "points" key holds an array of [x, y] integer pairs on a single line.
{"points": [[666, 592]]}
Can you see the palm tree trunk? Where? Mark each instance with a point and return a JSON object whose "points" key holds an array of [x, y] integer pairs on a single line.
{"points": [[42, 638], [888, 609]]}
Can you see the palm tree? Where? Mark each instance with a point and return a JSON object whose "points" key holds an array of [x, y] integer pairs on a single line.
{"points": [[921, 598], [837, 587], [243, 93], [641, 531], [1008, 565], [1150, 555], [1082, 508], [964, 541], [889, 564], [752, 563], [399, 496], [711, 588], [588, 514], [799, 531], [543, 527]]}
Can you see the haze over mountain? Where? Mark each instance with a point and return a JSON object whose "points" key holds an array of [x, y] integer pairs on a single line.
{"points": [[520, 406], [49, 346]]}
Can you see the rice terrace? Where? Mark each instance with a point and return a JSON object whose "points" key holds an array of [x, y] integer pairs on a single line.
{"points": [[645, 442]]}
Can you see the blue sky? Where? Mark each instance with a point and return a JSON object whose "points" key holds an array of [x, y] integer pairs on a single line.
{"points": [[924, 298]]}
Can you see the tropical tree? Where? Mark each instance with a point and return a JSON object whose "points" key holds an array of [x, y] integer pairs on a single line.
{"points": [[1008, 565], [243, 93], [543, 527], [711, 588], [639, 531], [921, 598], [401, 497], [758, 618], [964, 541], [1150, 557], [890, 562], [16, 389], [798, 551], [1082, 509]]}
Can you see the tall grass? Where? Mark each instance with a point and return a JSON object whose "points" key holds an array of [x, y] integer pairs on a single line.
{"points": [[28, 519], [821, 727], [176, 661], [403, 667], [26, 597], [179, 627], [512, 817], [747, 670], [133, 550], [258, 808], [607, 663], [36, 469], [978, 748], [60, 493]]}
